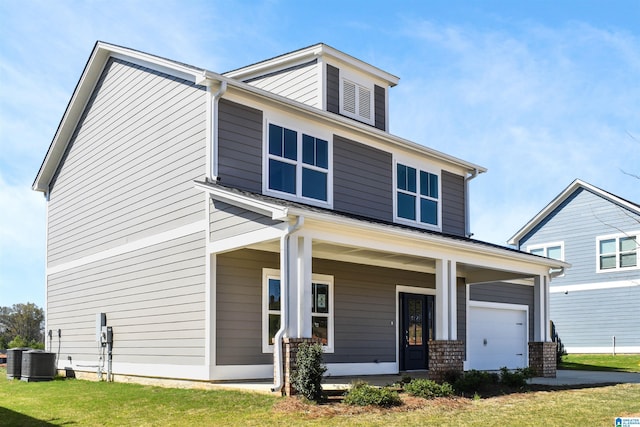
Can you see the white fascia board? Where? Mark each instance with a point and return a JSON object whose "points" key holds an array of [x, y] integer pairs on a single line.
{"points": [[315, 51], [274, 211], [560, 198], [434, 240]]}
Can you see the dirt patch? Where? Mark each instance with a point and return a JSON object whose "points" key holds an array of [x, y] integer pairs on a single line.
{"points": [[335, 407]]}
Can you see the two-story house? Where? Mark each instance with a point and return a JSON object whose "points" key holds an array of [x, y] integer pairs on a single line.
{"points": [[212, 217], [595, 304]]}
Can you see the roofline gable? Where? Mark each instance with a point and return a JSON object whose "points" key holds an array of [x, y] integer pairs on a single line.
{"points": [[560, 198]]}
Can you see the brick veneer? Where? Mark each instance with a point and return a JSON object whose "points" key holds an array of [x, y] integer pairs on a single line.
{"points": [[289, 356], [445, 357], [542, 358]]}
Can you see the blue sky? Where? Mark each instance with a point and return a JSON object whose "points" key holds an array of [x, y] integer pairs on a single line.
{"points": [[539, 92]]}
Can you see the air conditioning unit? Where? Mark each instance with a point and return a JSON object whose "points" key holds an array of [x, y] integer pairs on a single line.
{"points": [[14, 362], [38, 365]]}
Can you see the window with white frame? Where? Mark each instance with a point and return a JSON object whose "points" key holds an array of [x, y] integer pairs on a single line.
{"points": [[417, 195], [298, 165], [356, 100], [321, 309], [550, 250], [617, 252]]}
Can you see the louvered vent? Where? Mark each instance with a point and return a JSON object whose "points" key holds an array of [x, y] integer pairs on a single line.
{"points": [[349, 96], [364, 102]]}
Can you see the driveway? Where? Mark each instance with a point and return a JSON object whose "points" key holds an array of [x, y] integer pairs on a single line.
{"points": [[567, 377]]}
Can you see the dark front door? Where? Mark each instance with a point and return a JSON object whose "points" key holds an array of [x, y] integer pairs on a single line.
{"points": [[416, 329]]}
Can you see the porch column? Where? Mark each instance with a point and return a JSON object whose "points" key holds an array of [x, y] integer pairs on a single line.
{"points": [[446, 309], [304, 287], [541, 306], [291, 266]]}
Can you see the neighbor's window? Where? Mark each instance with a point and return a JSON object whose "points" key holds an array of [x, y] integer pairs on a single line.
{"points": [[617, 252], [321, 309], [549, 250], [417, 195], [297, 164]]}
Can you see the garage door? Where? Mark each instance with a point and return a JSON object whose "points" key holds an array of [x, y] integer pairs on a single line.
{"points": [[497, 336]]}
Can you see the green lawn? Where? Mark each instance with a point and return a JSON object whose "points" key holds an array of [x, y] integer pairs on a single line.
{"points": [[601, 362], [86, 403]]}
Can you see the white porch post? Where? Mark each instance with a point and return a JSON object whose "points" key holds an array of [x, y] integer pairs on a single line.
{"points": [[304, 287], [293, 306], [541, 317], [446, 301]]}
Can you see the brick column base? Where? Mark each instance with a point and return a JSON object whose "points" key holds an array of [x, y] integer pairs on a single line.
{"points": [[542, 359], [289, 356], [445, 357]]}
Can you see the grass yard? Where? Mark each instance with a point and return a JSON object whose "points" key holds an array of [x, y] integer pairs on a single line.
{"points": [[86, 403], [601, 362]]}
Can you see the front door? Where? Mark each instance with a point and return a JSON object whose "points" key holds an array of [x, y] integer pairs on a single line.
{"points": [[416, 329]]}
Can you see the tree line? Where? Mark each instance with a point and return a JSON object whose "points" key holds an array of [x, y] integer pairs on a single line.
{"points": [[22, 325]]}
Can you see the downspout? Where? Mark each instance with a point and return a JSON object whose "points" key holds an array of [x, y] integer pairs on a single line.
{"points": [[467, 216], [214, 125], [284, 302]]}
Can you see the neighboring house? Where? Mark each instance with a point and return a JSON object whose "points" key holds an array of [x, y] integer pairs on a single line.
{"points": [[598, 299], [212, 216]]}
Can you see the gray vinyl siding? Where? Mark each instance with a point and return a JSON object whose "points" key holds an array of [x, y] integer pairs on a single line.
{"points": [[593, 318], [154, 299], [129, 169], [453, 204], [229, 221], [333, 89], [380, 108], [578, 221], [362, 180], [364, 312], [506, 293], [299, 83], [239, 306], [240, 146]]}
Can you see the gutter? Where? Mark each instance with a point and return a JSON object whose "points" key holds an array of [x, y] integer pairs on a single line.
{"points": [[284, 302], [467, 216], [555, 272]]}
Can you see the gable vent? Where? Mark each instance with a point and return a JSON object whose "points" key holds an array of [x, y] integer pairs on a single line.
{"points": [[349, 96], [364, 98]]}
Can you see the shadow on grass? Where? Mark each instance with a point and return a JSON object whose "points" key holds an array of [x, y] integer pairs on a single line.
{"points": [[584, 367], [12, 418]]}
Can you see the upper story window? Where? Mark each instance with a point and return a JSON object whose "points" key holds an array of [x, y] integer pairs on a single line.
{"points": [[417, 196], [617, 252], [321, 309], [298, 166], [356, 100], [549, 250]]}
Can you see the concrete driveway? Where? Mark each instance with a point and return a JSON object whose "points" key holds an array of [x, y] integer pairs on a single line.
{"points": [[564, 377]]}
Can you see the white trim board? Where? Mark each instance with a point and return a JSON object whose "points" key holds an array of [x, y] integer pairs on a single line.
{"points": [[594, 286], [200, 226]]}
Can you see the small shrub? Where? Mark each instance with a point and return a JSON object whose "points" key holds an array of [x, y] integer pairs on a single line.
{"points": [[406, 379], [428, 389], [474, 381], [307, 378], [516, 378], [363, 394]]}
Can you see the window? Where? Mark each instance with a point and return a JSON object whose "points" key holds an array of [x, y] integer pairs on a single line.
{"points": [[417, 195], [617, 252], [550, 250], [297, 165], [357, 101], [321, 309]]}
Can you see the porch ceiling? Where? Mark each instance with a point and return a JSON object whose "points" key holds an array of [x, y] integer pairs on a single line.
{"points": [[366, 256]]}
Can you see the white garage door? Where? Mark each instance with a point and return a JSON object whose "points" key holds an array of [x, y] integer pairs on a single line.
{"points": [[497, 336]]}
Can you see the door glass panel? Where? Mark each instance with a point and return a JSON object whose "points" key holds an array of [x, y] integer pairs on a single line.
{"points": [[415, 322]]}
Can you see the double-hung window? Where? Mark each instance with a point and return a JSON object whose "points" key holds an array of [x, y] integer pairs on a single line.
{"points": [[617, 252], [549, 250], [417, 195], [298, 165], [321, 309]]}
